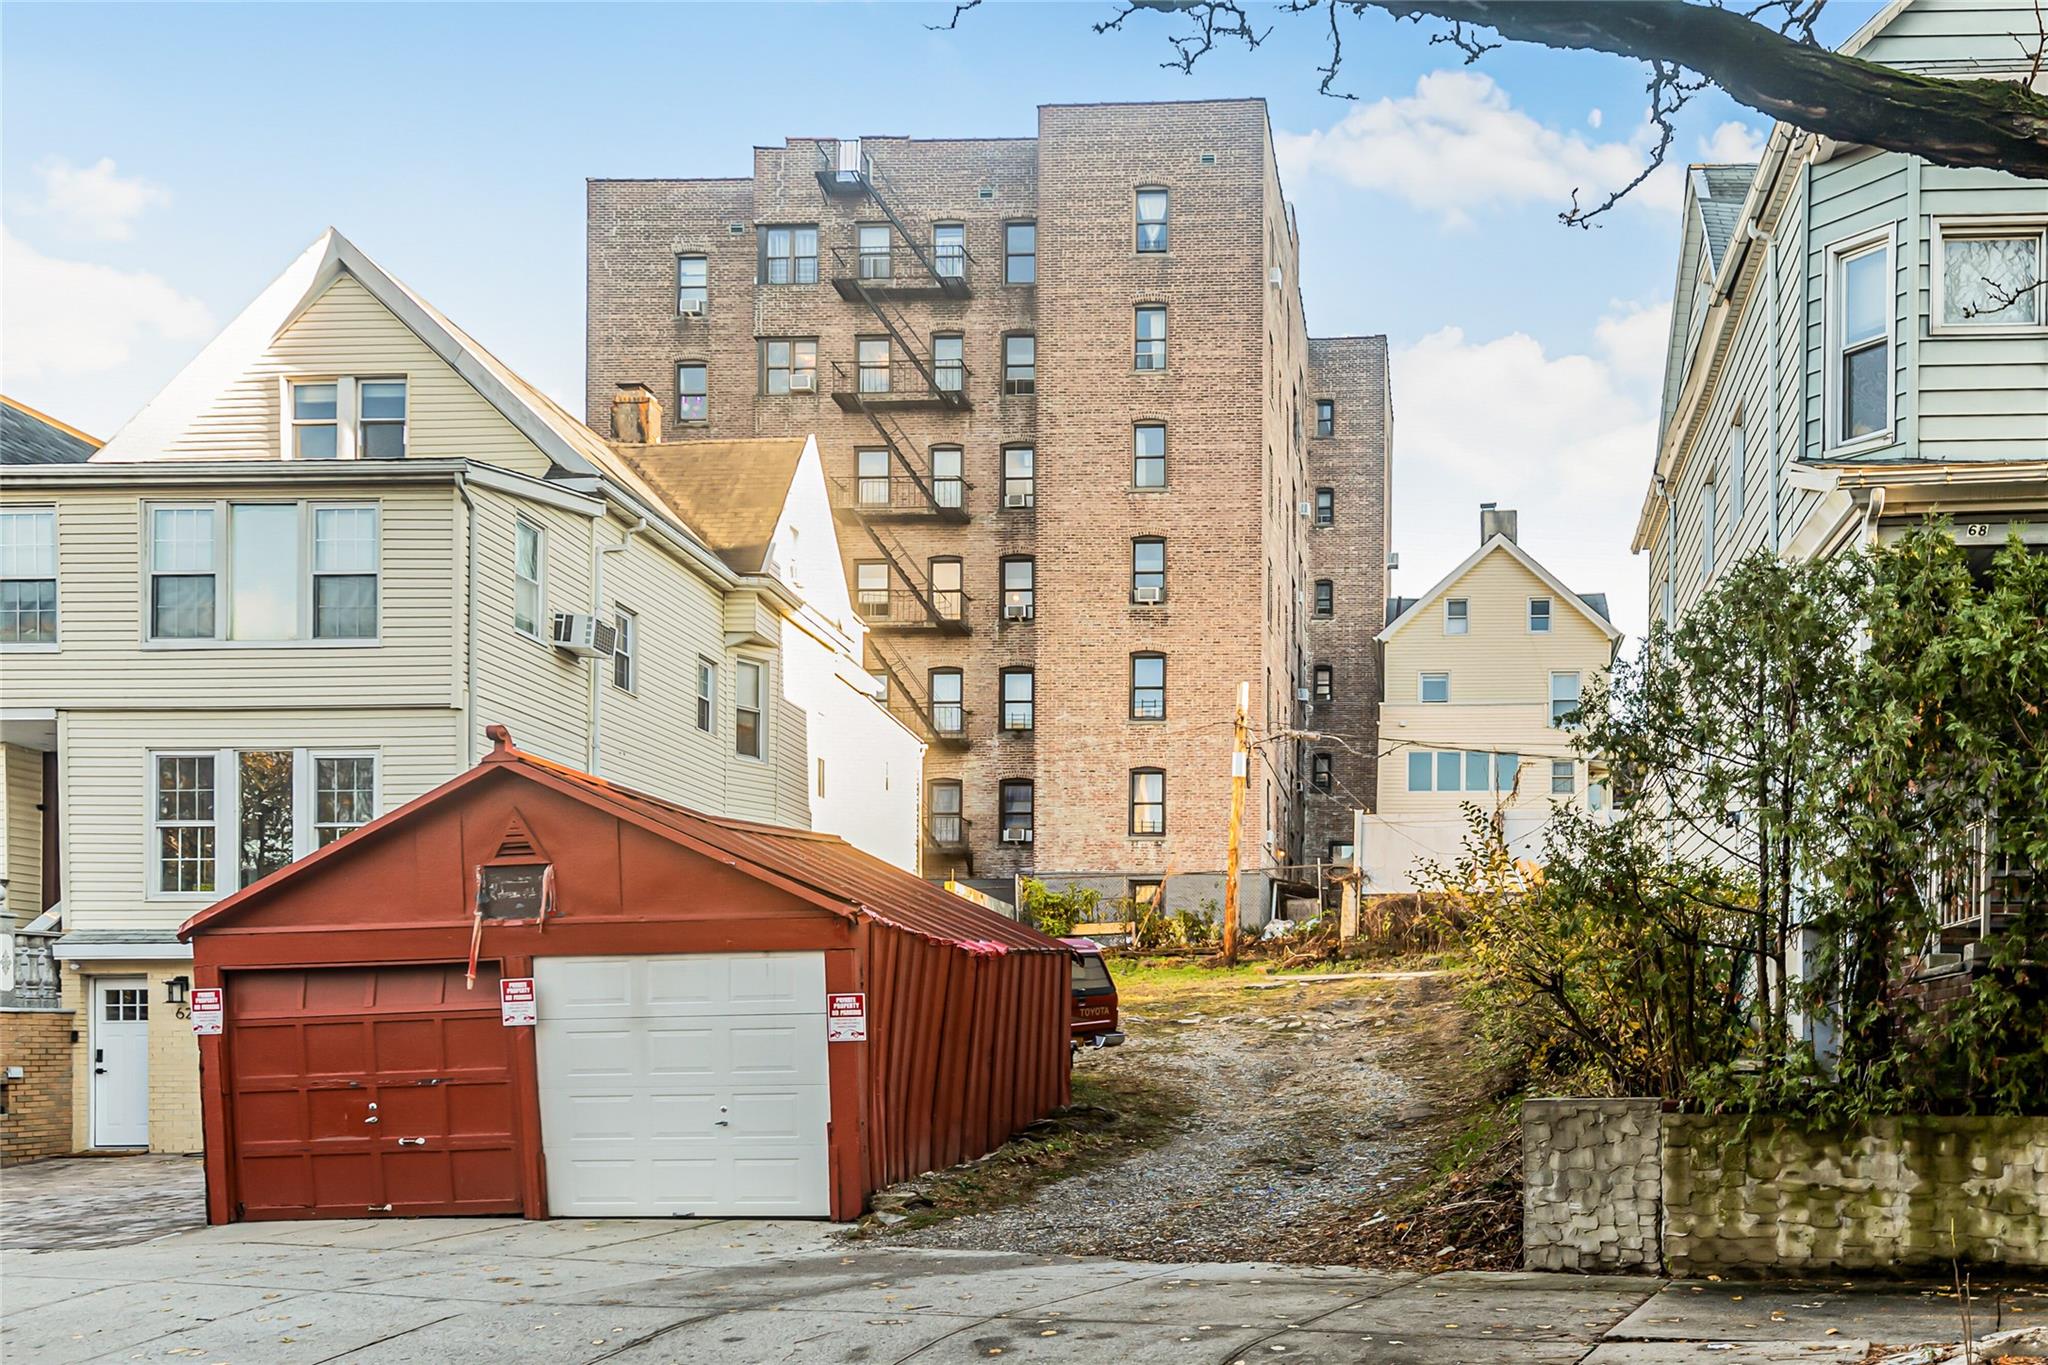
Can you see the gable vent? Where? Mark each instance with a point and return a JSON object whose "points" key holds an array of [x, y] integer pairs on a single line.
{"points": [[517, 842]]}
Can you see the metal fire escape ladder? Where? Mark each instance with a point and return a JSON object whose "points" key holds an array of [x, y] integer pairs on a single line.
{"points": [[919, 585], [898, 328], [868, 180], [902, 684], [899, 445]]}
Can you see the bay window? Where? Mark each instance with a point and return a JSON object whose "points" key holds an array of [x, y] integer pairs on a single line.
{"points": [[750, 696], [259, 572]]}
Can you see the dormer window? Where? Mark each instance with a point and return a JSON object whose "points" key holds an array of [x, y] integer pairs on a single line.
{"points": [[344, 419]]}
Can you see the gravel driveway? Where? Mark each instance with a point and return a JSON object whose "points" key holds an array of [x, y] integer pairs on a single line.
{"points": [[1308, 1098]]}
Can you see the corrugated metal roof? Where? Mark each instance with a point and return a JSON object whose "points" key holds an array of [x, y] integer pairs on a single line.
{"points": [[31, 437]]}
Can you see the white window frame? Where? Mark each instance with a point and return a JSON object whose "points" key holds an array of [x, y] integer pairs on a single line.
{"points": [[1569, 771], [706, 719], [626, 650], [1710, 529], [704, 303], [1578, 699], [49, 511], [222, 510], [1422, 686], [227, 814], [760, 708], [347, 413], [1987, 226], [1549, 616], [1455, 624], [541, 624], [1883, 239]]}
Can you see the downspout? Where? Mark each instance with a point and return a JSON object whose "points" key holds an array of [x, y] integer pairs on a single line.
{"points": [[469, 624], [597, 557]]}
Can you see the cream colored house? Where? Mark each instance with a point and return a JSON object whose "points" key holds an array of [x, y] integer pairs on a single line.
{"points": [[1479, 675], [293, 591]]}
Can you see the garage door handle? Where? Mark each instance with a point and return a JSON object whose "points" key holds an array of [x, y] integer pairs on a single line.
{"points": [[379, 1208], [719, 1123], [412, 1142], [99, 1071], [371, 1119]]}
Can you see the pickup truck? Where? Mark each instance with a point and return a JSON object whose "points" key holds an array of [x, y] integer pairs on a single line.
{"points": [[1094, 1013]]}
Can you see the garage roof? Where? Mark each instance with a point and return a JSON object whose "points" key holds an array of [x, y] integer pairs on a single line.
{"points": [[821, 868]]}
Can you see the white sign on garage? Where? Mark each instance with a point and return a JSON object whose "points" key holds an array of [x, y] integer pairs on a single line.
{"points": [[682, 1085]]}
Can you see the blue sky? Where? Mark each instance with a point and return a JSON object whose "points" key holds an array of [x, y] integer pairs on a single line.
{"points": [[160, 164]]}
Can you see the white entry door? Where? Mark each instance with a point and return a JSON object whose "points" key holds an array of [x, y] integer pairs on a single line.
{"points": [[684, 1085], [120, 1061]]}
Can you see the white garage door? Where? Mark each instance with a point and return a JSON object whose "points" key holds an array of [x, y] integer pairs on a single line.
{"points": [[684, 1085]]}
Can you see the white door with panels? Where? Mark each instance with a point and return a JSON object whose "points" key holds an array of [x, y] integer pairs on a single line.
{"points": [[684, 1085], [120, 1061]]}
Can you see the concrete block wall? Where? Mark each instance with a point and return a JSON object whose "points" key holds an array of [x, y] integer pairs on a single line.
{"points": [[1591, 1184], [35, 1111]]}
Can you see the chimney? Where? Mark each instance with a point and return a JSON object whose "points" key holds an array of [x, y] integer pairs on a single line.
{"points": [[636, 415], [1493, 521]]}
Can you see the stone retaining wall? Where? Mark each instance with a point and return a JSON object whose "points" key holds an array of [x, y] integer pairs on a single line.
{"points": [[1616, 1184]]}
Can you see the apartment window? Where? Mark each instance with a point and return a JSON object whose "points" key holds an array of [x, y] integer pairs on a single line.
{"points": [[277, 805], [1539, 616], [1326, 507], [1151, 220], [1564, 778], [254, 581], [693, 285], [871, 477], [1019, 483], [1015, 801], [380, 419], [1019, 592], [948, 483], [947, 597], [1326, 597], [316, 420], [871, 589], [873, 241], [789, 255], [1992, 275], [947, 827], [1148, 570], [1020, 363], [28, 576], [1319, 772], [1326, 417], [1710, 516], [1020, 253], [1325, 682], [1457, 616], [1435, 687], [1860, 327], [1472, 770], [750, 693], [789, 365], [1148, 455], [1148, 801], [1148, 687], [1421, 770], [949, 363], [707, 696], [1145, 891], [693, 392], [871, 362], [1564, 697], [1149, 329], [626, 653], [949, 250], [1020, 687], [529, 563], [949, 715]]}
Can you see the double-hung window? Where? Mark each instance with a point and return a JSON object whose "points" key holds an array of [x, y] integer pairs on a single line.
{"points": [[693, 285], [1457, 616], [1539, 616], [949, 597], [1148, 801], [1326, 507], [1320, 773], [28, 576], [345, 419], [1991, 275], [1148, 570], [1019, 484], [1860, 340], [693, 391], [222, 819], [707, 696], [1151, 220], [873, 240], [263, 571], [871, 477], [1020, 594], [1326, 597], [1020, 253], [947, 827], [949, 250], [1148, 455], [789, 255], [380, 419], [1710, 527], [1325, 682], [949, 712], [1148, 329], [871, 589], [529, 568], [626, 652], [1564, 777], [1019, 699], [789, 365], [871, 364], [1020, 364], [1016, 809], [750, 696], [1564, 698], [949, 362], [1148, 687], [1326, 417], [948, 481], [316, 420]]}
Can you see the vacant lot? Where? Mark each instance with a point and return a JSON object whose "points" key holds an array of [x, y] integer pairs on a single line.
{"points": [[1273, 1116]]}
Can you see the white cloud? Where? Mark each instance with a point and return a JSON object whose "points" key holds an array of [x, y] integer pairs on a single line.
{"points": [[1732, 142], [1458, 144], [1595, 117], [73, 317], [1567, 440], [97, 200]]}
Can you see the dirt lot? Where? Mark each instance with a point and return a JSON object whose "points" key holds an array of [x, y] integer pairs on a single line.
{"points": [[1298, 1107]]}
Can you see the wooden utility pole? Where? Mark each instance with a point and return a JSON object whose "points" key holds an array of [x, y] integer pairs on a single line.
{"points": [[1240, 770]]}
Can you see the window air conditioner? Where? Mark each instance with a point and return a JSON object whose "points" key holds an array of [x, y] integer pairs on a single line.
{"points": [[1147, 596], [584, 635], [803, 383], [1016, 611], [1016, 836], [1301, 694], [692, 308], [1016, 499]]}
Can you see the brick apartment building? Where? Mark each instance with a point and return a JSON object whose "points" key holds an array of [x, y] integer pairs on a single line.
{"points": [[1066, 396]]}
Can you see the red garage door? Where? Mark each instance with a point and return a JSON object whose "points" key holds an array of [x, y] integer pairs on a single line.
{"points": [[369, 1090]]}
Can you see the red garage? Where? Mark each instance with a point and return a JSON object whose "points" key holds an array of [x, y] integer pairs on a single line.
{"points": [[698, 1015]]}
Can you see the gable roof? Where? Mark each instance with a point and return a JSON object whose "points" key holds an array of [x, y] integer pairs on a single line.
{"points": [[1598, 616], [31, 437], [1718, 193], [730, 493], [820, 868]]}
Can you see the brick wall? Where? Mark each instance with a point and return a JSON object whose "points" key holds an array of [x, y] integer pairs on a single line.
{"points": [[37, 1121]]}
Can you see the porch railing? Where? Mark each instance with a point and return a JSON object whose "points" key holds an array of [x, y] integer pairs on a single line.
{"points": [[32, 981]]}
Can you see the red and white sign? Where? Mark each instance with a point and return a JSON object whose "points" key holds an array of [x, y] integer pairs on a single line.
{"points": [[516, 1005], [207, 1009], [846, 1018]]}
